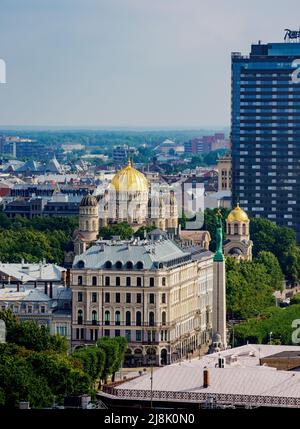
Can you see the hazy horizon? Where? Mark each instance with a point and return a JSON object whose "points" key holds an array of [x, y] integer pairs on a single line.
{"points": [[146, 64]]}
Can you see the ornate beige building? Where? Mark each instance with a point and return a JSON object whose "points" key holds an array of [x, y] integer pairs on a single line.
{"points": [[153, 292], [238, 243]]}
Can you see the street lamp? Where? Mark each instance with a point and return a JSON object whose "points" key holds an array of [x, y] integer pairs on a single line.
{"points": [[270, 337]]}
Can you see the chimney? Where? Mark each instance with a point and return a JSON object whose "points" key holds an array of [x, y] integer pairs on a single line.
{"points": [[206, 380], [221, 362]]}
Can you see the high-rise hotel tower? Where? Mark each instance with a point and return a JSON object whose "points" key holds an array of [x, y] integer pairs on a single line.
{"points": [[265, 131]]}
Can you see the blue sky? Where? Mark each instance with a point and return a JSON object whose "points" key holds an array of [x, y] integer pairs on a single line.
{"points": [[136, 63]]}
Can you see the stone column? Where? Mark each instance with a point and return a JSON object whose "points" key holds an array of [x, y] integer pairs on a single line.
{"points": [[219, 301]]}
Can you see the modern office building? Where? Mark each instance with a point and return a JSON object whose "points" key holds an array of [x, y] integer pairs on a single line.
{"points": [[265, 132]]}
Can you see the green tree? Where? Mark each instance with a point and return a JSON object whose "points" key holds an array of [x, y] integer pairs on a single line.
{"points": [[30, 335], [276, 320], [93, 361], [271, 264], [249, 288], [63, 378], [121, 229], [19, 382], [114, 350], [279, 240]]}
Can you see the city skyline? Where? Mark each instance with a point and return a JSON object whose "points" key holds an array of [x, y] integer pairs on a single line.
{"points": [[127, 64]]}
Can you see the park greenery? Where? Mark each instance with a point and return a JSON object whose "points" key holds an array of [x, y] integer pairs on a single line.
{"points": [[35, 365], [35, 239], [250, 285], [257, 330]]}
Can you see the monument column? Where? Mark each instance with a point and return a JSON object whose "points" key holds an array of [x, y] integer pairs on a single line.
{"points": [[219, 336]]}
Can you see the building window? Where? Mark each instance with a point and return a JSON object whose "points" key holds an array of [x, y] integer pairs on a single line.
{"points": [[108, 264], [107, 297], [129, 265], [118, 281], [138, 335], [151, 318], [94, 317], [139, 265], [79, 317], [128, 298], [118, 297], [128, 281], [163, 318], [79, 280], [128, 318], [138, 298], [128, 336], [43, 309], [29, 309], [77, 333], [151, 281], [94, 296], [107, 318], [138, 318], [163, 298], [91, 334], [107, 281], [139, 281], [119, 265], [79, 297], [117, 333], [94, 281], [62, 330], [82, 333], [163, 281], [117, 318], [106, 332], [151, 298]]}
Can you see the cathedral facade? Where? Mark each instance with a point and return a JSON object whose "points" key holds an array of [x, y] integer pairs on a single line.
{"points": [[130, 198]]}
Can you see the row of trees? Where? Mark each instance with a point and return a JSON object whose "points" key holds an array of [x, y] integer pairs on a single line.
{"points": [[35, 366]]}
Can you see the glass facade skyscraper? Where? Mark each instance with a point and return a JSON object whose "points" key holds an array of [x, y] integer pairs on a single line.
{"points": [[265, 132]]}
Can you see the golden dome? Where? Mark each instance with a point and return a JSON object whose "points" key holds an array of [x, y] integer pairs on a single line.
{"points": [[129, 180], [237, 215]]}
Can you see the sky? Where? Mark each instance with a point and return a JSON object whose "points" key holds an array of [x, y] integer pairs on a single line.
{"points": [[128, 63]]}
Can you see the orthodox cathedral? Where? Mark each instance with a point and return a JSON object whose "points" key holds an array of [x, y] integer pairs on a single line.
{"points": [[238, 243], [129, 199]]}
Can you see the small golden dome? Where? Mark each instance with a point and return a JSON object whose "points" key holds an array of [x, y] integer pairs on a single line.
{"points": [[129, 180], [237, 215]]}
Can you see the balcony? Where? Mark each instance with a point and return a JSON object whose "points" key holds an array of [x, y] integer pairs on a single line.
{"points": [[117, 325]]}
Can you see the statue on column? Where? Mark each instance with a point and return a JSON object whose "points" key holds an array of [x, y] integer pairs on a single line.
{"points": [[219, 238]]}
